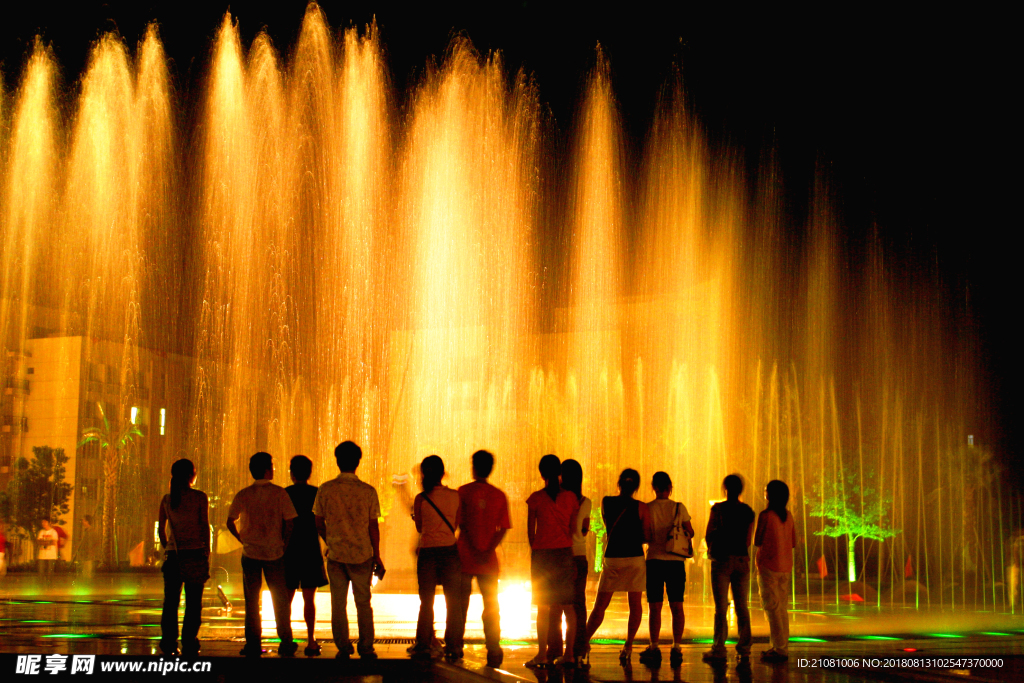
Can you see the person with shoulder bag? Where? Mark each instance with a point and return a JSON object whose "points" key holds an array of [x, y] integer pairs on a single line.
{"points": [[184, 531]]}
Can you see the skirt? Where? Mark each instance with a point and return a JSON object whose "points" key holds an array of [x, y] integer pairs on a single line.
{"points": [[553, 573], [623, 574]]}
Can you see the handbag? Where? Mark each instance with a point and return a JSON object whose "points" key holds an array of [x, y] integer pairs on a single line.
{"points": [[193, 565], [678, 542]]}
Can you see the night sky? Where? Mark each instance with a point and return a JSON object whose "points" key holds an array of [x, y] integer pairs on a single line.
{"points": [[910, 112]]}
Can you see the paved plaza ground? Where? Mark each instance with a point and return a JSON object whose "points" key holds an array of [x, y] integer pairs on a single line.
{"points": [[117, 616]]}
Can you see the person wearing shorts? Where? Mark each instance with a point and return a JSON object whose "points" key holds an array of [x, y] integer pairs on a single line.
{"points": [[303, 561], [551, 514], [629, 527], [666, 572]]}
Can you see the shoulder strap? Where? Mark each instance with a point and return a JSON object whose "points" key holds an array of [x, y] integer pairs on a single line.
{"points": [[616, 523], [438, 511], [171, 539]]}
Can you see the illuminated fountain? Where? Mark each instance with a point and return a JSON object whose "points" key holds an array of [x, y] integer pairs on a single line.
{"points": [[318, 264]]}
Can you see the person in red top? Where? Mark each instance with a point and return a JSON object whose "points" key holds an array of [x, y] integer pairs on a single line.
{"points": [[775, 539], [484, 523], [549, 526]]}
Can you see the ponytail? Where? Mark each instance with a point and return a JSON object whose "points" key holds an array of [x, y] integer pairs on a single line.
{"points": [[182, 472]]}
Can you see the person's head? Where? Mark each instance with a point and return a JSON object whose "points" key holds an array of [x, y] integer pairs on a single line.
{"points": [[483, 464], [661, 483], [550, 468], [432, 471], [733, 486], [301, 469], [572, 477], [183, 473], [348, 454], [261, 466], [777, 494], [629, 482], [45, 523]]}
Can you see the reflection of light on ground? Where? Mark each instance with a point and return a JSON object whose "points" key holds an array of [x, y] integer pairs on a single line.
{"points": [[395, 613]]}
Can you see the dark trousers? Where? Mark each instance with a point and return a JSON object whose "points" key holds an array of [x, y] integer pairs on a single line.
{"points": [[579, 606], [439, 566], [173, 583], [488, 584], [733, 572], [253, 572]]}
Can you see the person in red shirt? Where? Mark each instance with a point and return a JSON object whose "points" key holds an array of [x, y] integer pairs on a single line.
{"points": [[484, 523], [775, 539], [550, 521]]}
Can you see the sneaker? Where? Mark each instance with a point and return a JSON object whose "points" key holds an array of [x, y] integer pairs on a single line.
{"points": [[494, 659], [772, 656], [248, 651], [369, 656], [652, 655], [714, 656], [343, 654], [452, 657], [287, 649], [675, 657]]}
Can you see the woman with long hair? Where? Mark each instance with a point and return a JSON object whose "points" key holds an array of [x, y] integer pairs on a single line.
{"points": [[629, 526], [775, 539], [303, 559], [437, 514], [575, 633], [551, 515], [184, 531]]}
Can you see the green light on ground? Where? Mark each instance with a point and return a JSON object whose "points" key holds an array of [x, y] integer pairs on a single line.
{"points": [[995, 633], [37, 621], [804, 639], [944, 635], [41, 602], [69, 635], [607, 641], [876, 638], [514, 642], [702, 641]]}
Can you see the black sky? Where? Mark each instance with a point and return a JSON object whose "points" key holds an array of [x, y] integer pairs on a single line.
{"points": [[909, 110]]}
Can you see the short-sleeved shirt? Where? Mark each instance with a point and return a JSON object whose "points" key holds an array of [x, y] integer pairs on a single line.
{"points": [[347, 506], [434, 532], [555, 519], [262, 510], [579, 541], [49, 550], [188, 525], [776, 550], [663, 516], [484, 513], [727, 529]]}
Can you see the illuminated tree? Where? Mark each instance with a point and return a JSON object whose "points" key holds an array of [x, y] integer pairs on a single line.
{"points": [[114, 443], [852, 507]]}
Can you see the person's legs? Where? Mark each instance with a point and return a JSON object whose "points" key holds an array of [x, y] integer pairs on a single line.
{"points": [[774, 593], [488, 584], [337, 576], [604, 598], [636, 615], [465, 591], [556, 645], [543, 630], [678, 622], [193, 617], [720, 590], [252, 585], [450, 574], [309, 612], [172, 597], [274, 572], [740, 581], [426, 576], [362, 580], [654, 622], [578, 640]]}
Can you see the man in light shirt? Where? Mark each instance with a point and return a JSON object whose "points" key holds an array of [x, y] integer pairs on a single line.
{"points": [[47, 540], [347, 511], [266, 516]]}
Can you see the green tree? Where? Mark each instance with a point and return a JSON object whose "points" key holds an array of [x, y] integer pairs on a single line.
{"points": [[114, 443], [36, 491], [853, 507]]}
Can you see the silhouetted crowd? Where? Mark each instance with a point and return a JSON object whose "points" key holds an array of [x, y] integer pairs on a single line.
{"points": [[281, 529]]}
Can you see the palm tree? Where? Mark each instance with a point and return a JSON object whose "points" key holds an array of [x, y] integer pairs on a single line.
{"points": [[113, 443]]}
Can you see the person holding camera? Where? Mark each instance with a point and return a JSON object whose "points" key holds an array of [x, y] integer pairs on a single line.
{"points": [[347, 511]]}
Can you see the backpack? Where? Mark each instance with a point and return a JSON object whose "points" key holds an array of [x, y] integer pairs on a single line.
{"points": [[678, 542]]}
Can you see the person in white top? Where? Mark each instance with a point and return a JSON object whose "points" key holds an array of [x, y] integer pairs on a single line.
{"points": [[666, 571], [47, 539]]}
